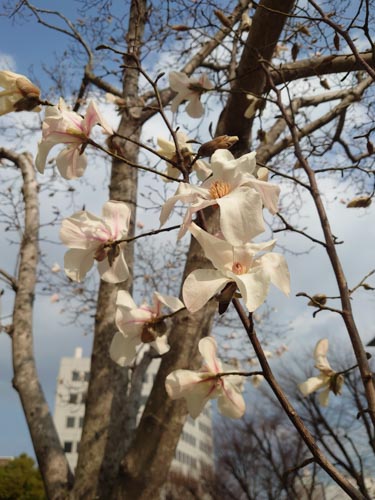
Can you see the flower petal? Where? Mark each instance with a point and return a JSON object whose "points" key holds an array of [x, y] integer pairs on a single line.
{"points": [[117, 215], [78, 230], [241, 217], [230, 402], [94, 117], [323, 397], [253, 287], [44, 148], [71, 162], [77, 263], [268, 191], [173, 303], [123, 350], [195, 108], [320, 355], [117, 272], [178, 81], [277, 268], [124, 299], [130, 322], [312, 384], [219, 251], [160, 344], [208, 349], [200, 286]]}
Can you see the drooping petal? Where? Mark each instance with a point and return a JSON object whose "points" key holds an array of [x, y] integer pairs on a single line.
{"points": [[277, 268], [241, 217], [173, 303], [253, 287], [160, 344], [208, 349], [219, 251], [195, 108], [230, 402], [77, 262], [117, 215], [44, 148], [200, 286], [320, 356], [323, 397], [123, 349], [71, 162], [115, 273], [312, 384], [191, 386]]}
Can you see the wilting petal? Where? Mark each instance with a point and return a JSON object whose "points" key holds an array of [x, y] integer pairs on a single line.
{"points": [[220, 252], [241, 217], [191, 386], [253, 287], [117, 272], [312, 384], [323, 397], [71, 162], [173, 303], [200, 286], [117, 215], [123, 349], [277, 268], [77, 263], [160, 344], [195, 108], [230, 402], [208, 349], [320, 355]]}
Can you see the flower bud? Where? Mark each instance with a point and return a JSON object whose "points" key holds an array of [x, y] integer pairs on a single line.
{"points": [[359, 202], [220, 142], [336, 383]]}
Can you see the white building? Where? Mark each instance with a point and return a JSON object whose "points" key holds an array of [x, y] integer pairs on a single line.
{"points": [[194, 451]]}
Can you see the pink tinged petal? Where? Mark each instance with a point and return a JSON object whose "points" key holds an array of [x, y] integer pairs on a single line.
{"points": [[123, 350], [185, 193], [173, 303], [195, 108], [208, 349], [320, 355], [160, 344], [76, 231], [41, 157], [116, 214], [130, 322], [219, 251], [275, 265], [117, 272], [241, 217], [205, 82], [312, 384], [200, 286], [269, 193], [323, 397], [253, 287], [230, 402], [124, 299], [94, 117], [71, 163], [191, 386], [77, 263]]}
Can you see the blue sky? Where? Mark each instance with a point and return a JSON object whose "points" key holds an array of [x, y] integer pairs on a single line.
{"points": [[30, 44]]}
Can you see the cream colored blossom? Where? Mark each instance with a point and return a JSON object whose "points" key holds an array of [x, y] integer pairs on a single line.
{"points": [[19, 93]]}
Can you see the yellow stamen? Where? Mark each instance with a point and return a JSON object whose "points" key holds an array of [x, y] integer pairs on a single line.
{"points": [[218, 189]]}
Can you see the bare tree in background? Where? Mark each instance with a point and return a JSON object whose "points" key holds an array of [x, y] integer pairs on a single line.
{"points": [[299, 66]]}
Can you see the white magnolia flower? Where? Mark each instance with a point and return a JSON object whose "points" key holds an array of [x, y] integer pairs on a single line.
{"points": [[93, 238], [139, 325], [254, 103], [236, 190], [328, 380], [189, 89], [19, 93], [235, 264], [62, 126], [199, 387], [168, 150]]}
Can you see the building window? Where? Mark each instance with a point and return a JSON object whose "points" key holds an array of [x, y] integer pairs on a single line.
{"points": [[204, 428], [188, 438], [70, 421], [205, 447], [68, 446], [87, 376], [186, 459], [73, 398], [75, 376], [83, 397], [80, 422]]}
